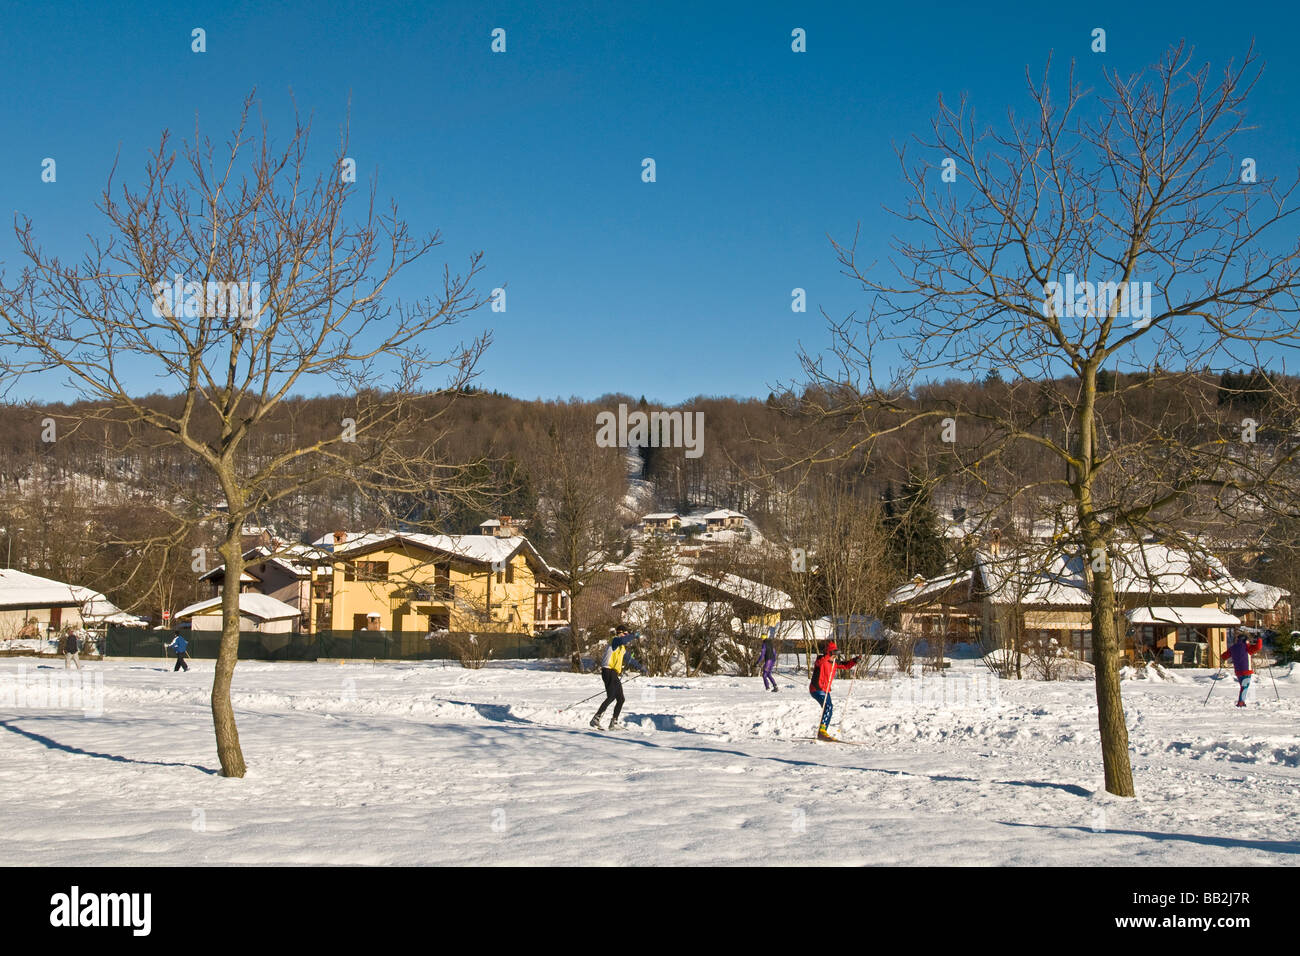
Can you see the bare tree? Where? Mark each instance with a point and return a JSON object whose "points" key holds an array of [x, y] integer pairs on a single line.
{"points": [[238, 275], [658, 615], [579, 489], [1097, 247], [839, 564]]}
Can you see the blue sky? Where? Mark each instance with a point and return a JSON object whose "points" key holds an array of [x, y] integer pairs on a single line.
{"points": [[672, 289]]}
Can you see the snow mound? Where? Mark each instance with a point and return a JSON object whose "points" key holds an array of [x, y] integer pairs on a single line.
{"points": [[1075, 670], [1279, 752], [1161, 675]]}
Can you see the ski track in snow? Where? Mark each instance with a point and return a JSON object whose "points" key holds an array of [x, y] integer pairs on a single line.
{"points": [[425, 763]]}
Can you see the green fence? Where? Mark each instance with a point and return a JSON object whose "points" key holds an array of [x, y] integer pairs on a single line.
{"points": [[367, 645]]}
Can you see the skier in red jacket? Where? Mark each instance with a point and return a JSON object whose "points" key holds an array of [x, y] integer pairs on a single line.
{"points": [[1240, 653], [823, 676]]}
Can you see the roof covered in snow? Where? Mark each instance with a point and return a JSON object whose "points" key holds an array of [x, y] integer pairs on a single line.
{"points": [[101, 610], [1055, 577], [260, 606], [1257, 597], [1182, 615], [18, 590], [288, 557], [817, 629], [1049, 576], [721, 514], [916, 590], [479, 548], [773, 599]]}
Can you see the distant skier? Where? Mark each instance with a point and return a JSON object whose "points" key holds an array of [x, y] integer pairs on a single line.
{"points": [[71, 648], [1240, 653], [611, 667], [179, 645], [767, 660], [823, 676]]}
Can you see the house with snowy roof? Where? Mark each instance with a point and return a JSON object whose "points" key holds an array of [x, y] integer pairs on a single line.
{"points": [[661, 521], [724, 520], [281, 571], [413, 582], [943, 605], [257, 612], [1040, 595], [30, 602], [701, 598], [1263, 606], [503, 527]]}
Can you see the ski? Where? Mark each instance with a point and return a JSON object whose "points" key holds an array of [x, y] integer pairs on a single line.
{"points": [[855, 743]]}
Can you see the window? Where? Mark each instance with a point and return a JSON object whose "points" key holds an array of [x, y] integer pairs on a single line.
{"points": [[366, 571]]}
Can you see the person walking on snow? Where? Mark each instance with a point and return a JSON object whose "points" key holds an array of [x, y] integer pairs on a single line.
{"points": [[767, 660], [71, 648], [179, 645], [823, 676], [1240, 653], [611, 667]]}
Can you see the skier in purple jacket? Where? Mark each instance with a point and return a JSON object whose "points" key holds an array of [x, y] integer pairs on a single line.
{"points": [[767, 660], [1240, 652]]}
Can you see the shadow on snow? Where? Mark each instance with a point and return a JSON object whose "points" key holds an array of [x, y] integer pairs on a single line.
{"points": [[53, 744]]}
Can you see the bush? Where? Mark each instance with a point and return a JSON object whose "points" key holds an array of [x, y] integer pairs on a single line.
{"points": [[472, 652], [1285, 647], [905, 652]]}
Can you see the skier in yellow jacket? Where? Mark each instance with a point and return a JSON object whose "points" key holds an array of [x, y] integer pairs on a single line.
{"points": [[611, 667]]}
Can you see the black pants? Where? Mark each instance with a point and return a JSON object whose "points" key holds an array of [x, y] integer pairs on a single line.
{"points": [[180, 663], [613, 692]]}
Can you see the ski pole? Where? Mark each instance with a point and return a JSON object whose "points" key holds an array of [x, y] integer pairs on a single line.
{"points": [[593, 696], [1215, 680], [853, 672], [1276, 695]]}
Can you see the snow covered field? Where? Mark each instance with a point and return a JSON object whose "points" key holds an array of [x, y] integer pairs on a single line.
{"points": [[428, 763]]}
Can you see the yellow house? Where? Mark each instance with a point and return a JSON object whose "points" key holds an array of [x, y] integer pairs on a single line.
{"points": [[724, 520], [661, 521], [407, 582]]}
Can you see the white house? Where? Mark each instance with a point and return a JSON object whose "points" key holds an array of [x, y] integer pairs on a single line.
{"points": [[42, 602], [257, 612]]}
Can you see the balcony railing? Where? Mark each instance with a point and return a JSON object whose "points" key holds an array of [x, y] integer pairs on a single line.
{"points": [[421, 595]]}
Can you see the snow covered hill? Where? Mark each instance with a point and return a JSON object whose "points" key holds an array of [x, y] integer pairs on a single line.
{"points": [[427, 763]]}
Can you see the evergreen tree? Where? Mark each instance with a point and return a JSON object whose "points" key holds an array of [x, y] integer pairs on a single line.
{"points": [[914, 544]]}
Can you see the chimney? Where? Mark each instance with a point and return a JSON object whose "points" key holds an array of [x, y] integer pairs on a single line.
{"points": [[995, 542], [340, 537], [505, 531]]}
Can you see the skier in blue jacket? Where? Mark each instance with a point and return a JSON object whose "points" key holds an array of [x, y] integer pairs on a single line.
{"points": [[179, 645]]}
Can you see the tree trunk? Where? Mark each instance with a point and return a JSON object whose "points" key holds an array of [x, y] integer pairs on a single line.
{"points": [[575, 658], [223, 713], [1110, 705]]}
